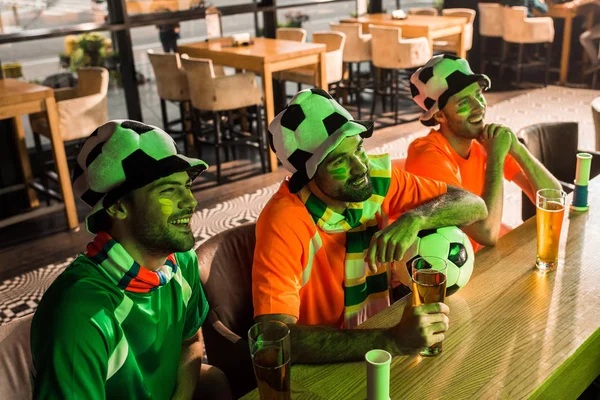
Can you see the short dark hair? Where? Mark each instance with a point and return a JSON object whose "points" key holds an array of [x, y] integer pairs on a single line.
{"points": [[101, 221], [430, 122]]}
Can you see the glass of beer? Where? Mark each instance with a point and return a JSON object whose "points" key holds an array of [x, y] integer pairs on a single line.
{"points": [[550, 210], [270, 349], [429, 286]]}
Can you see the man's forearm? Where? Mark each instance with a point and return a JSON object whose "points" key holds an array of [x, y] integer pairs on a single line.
{"points": [[486, 231], [456, 207], [322, 344], [534, 170], [190, 361]]}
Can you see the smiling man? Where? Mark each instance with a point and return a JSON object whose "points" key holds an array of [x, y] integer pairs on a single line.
{"points": [[122, 321], [323, 241], [465, 151]]}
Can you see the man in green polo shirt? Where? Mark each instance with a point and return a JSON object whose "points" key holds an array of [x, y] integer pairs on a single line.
{"points": [[122, 320]]}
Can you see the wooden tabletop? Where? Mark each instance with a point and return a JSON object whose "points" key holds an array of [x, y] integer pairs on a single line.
{"points": [[431, 21], [570, 6], [262, 50], [14, 91], [514, 332]]}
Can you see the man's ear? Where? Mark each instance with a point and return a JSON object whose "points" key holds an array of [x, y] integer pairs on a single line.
{"points": [[118, 210], [439, 117]]}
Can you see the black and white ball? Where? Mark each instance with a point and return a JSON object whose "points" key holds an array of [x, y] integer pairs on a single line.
{"points": [[449, 243]]}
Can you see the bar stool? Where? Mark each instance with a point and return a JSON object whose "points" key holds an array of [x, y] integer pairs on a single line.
{"points": [[356, 50], [521, 30], [221, 95], [391, 52], [491, 16], [448, 44], [422, 11], [334, 62], [172, 86]]}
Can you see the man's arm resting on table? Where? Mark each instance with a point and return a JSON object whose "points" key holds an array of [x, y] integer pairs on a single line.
{"points": [[190, 361], [534, 176], [456, 207], [313, 344]]}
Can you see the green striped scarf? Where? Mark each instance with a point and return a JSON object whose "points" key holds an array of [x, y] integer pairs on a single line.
{"points": [[365, 293]]}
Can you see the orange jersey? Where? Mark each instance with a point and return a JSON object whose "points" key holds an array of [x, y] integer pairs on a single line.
{"points": [[299, 269], [433, 157]]}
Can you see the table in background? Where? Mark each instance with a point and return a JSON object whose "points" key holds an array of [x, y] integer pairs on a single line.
{"points": [[514, 332], [429, 26], [568, 11], [264, 57], [19, 98]]}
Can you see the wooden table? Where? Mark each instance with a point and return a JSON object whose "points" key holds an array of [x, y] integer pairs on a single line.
{"points": [[514, 333], [264, 57], [568, 11], [431, 27], [19, 98]]}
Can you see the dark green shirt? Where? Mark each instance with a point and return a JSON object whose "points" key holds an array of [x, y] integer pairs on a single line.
{"points": [[91, 339]]}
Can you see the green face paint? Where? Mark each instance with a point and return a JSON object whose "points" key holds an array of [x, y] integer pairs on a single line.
{"points": [[167, 206], [339, 174]]}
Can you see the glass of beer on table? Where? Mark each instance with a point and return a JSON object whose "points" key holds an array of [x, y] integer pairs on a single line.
{"points": [[270, 348], [550, 210], [429, 286]]}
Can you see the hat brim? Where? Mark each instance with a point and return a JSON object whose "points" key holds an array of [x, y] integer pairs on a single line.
{"points": [[193, 166], [483, 80]]}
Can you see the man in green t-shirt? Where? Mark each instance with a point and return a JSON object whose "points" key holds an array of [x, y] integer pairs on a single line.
{"points": [[122, 321]]}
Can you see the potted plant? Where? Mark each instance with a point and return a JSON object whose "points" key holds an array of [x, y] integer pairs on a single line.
{"points": [[12, 70], [93, 46], [295, 19]]}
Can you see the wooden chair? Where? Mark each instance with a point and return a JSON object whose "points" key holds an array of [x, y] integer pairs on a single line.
{"points": [[225, 263], [521, 30], [293, 34], [81, 110], [448, 44], [554, 144], [335, 42], [220, 95], [16, 364], [172, 86], [491, 16], [422, 11], [390, 53]]}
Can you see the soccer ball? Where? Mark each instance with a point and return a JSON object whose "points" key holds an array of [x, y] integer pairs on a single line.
{"points": [[448, 243]]}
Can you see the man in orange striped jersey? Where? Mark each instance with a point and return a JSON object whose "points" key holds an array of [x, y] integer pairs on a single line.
{"points": [[323, 241]]}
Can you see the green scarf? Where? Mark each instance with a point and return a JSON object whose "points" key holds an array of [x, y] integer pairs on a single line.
{"points": [[365, 293]]}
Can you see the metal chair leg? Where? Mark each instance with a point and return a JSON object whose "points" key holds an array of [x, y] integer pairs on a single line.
{"points": [[349, 88], [358, 90], [482, 54], [218, 140], [163, 111], [375, 89], [548, 60], [519, 62], [394, 87], [503, 59], [262, 150]]}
